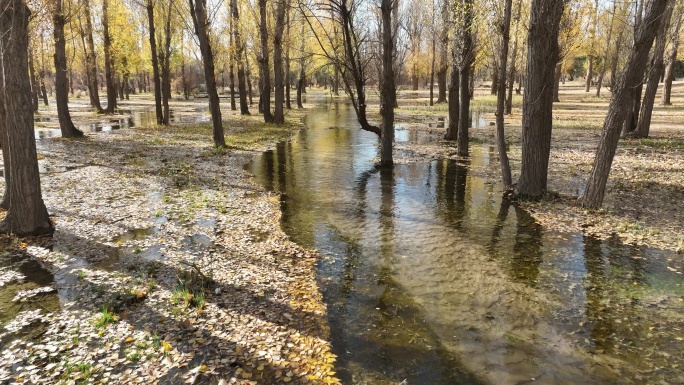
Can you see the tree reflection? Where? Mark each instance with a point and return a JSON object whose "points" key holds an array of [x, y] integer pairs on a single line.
{"points": [[595, 286], [527, 251]]}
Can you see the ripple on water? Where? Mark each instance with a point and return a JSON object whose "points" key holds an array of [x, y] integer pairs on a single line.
{"points": [[431, 278]]}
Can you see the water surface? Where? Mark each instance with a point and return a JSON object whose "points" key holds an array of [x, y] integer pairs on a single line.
{"points": [[431, 278]]}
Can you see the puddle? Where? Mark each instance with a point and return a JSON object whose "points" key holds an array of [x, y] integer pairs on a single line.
{"points": [[197, 242], [133, 235], [136, 119], [25, 287], [477, 120]]}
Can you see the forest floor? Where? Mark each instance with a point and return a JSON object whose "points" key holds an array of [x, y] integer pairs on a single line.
{"points": [[643, 203], [168, 261]]}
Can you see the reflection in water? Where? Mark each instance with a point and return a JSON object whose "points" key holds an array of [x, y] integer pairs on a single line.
{"points": [[136, 119], [430, 278]]}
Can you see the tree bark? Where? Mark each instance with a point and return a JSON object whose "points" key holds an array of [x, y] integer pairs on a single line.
{"points": [[265, 78], [504, 28], [542, 55], [631, 76], [109, 60], [388, 93], [61, 82], [198, 11], [278, 75], [26, 210], [654, 74]]}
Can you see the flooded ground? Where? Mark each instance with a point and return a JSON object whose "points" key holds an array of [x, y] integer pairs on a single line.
{"points": [[430, 278], [48, 126]]}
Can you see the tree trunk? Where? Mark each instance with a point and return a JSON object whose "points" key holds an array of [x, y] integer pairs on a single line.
{"points": [[672, 60], [602, 71], [511, 74], [432, 68], [265, 78], [61, 82], [495, 83], [166, 69], [43, 90], [388, 92], [109, 60], [556, 82], [654, 74], [231, 82], [198, 11], [288, 103], [505, 28], [278, 76], [542, 55], [35, 89], [239, 53], [26, 210], [631, 76], [248, 76], [91, 60], [443, 55], [154, 53], [302, 72], [467, 58], [452, 128], [590, 73], [632, 111]]}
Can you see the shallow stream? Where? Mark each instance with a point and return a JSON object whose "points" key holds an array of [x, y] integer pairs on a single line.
{"points": [[430, 278]]}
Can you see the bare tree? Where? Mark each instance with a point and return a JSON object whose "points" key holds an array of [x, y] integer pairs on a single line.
{"points": [[198, 11], [26, 212], [504, 28], [623, 92], [542, 43], [265, 70], [156, 79], [655, 71], [278, 75], [90, 58], [388, 93], [672, 55], [239, 53], [61, 82], [466, 60], [108, 58]]}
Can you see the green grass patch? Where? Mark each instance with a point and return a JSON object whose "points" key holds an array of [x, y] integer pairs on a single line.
{"points": [[659, 143], [106, 317]]}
